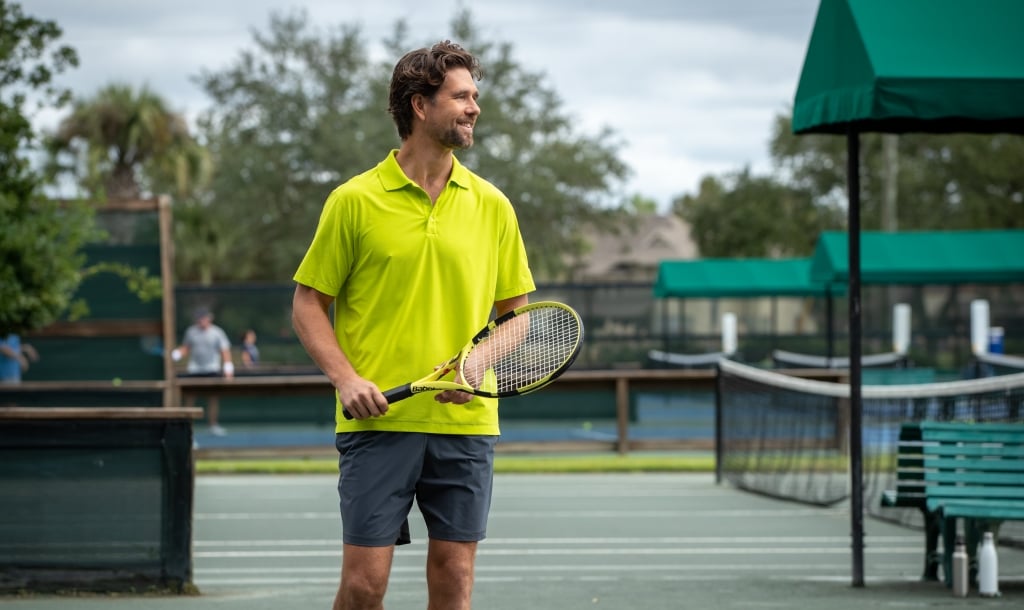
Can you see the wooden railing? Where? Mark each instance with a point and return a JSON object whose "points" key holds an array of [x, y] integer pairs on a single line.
{"points": [[620, 383]]}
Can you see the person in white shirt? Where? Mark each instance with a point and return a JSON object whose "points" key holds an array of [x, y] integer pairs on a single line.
{"points": [[208, 350]]}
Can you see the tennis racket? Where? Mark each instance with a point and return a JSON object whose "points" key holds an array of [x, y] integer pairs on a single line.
{"points": [[516, 353]]}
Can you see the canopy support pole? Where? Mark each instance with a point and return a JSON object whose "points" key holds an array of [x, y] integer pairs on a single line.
{"points": [[856, 455], [830, 348]]}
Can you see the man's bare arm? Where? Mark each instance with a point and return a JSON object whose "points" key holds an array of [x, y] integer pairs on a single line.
{"points": [[312, 324]]}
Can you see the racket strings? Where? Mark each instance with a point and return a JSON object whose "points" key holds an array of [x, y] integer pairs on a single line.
{"points": [[523, 350]]}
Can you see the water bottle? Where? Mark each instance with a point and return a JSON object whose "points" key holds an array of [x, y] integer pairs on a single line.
{"points": [[960, 584], [988, 567]]}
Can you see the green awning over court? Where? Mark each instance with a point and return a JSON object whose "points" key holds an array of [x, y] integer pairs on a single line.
{"points": [[926, 257], [913, 65], [739, 277]]}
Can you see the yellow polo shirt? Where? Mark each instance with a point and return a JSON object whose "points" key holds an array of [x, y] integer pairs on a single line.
{"points": [[413, 282]]}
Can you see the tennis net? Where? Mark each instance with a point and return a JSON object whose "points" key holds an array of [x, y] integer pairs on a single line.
{"points": [[687, 361], [788, 437], [987, 365], [784, 359]]}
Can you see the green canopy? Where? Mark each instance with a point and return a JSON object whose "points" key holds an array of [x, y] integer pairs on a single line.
{"points": [[749, 277], [926, 257], [913, 65]]}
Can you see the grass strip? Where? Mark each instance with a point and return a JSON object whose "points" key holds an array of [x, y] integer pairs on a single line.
{"points": [[522, 464]]}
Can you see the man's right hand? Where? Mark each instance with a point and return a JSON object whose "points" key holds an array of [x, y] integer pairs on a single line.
{"points": [[361, 398]]}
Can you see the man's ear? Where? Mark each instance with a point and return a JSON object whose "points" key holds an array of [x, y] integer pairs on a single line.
{"points": [[419, 103]]}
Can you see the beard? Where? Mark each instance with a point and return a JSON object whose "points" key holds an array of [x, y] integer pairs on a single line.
{"points": [[455, 138]]}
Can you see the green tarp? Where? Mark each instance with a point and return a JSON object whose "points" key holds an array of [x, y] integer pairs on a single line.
{"points": [[913, 65], [926, 257], [713, 278]]}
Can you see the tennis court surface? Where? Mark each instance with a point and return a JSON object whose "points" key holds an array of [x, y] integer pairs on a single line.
{"points": [[565, 542]]}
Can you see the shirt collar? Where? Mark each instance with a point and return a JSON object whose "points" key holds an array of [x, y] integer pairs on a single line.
{"points": [[393, 178]]}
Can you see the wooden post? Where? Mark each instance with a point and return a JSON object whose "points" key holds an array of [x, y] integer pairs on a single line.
{"points": [[172, 394], [622, 413]]}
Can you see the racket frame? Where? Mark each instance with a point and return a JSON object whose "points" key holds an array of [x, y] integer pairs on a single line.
{"points": [[435, 382]]}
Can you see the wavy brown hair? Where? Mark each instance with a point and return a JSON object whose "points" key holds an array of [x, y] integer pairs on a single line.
{"points": [[422, 71]]}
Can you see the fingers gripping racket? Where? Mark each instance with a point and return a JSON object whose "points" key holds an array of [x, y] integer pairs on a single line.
{"points": [[516, 353]]}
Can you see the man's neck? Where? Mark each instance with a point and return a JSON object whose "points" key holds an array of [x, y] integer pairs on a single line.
{"points": [[426, 164]]}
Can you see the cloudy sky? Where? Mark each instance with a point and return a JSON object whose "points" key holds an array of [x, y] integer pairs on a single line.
{"points": [[690, 86]]}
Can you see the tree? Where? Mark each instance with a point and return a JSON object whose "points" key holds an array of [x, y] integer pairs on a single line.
{"points": [[742, 215], [559, 181], [40, 241], [945, 181], [303, 111], [290, 119], [123, 142], [962, 181]]}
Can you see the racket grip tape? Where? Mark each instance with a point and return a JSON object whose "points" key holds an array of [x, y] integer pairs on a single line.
{"points": [[400, 393], [393, 395]]}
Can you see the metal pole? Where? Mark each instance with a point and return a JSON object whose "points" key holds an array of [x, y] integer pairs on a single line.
{"points": [[856, 457]]}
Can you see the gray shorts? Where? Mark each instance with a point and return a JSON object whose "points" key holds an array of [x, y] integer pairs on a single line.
{"points": [[449, 476]]}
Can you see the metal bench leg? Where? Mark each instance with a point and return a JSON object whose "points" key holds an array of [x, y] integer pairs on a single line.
{"points": [[972, 536], [932, 531], [948, 525]]}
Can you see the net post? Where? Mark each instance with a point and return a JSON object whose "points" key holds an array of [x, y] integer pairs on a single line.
{"points": [[719, 449]]}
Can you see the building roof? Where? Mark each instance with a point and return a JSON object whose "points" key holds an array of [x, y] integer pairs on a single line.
{"points": [[637, 249]]}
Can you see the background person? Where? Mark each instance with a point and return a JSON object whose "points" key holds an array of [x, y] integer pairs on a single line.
{"points": [[250, 354], [414, 255], [15, 357], [208, 350]]}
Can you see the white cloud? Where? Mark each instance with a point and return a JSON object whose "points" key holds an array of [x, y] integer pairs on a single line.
{"points": [[691, 88]]}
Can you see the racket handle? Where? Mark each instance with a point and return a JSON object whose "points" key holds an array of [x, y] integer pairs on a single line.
{"points": [[393, 395], [400, 393]]}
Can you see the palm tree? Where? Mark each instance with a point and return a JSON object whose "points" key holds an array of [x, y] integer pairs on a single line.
{"points": [[123, 142]]}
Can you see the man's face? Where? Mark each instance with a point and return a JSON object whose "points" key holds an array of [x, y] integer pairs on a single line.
{"points": [[452, 112], [204, 322]]}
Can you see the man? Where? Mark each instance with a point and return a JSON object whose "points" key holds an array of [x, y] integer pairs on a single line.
{"points": [[413, 254], [14, 358], [208, 350]]}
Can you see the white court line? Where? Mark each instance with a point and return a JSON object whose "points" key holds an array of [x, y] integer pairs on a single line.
{"points": [[535, 514], [585, 540], [576, 552], [652, 489], [583, 480], [681, 577], [293, 516], [685, 575], [613, 494], [610, 493], [561, 567]]}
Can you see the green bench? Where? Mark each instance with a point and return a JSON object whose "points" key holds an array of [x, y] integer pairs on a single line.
{"points": [[953, 471]]}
